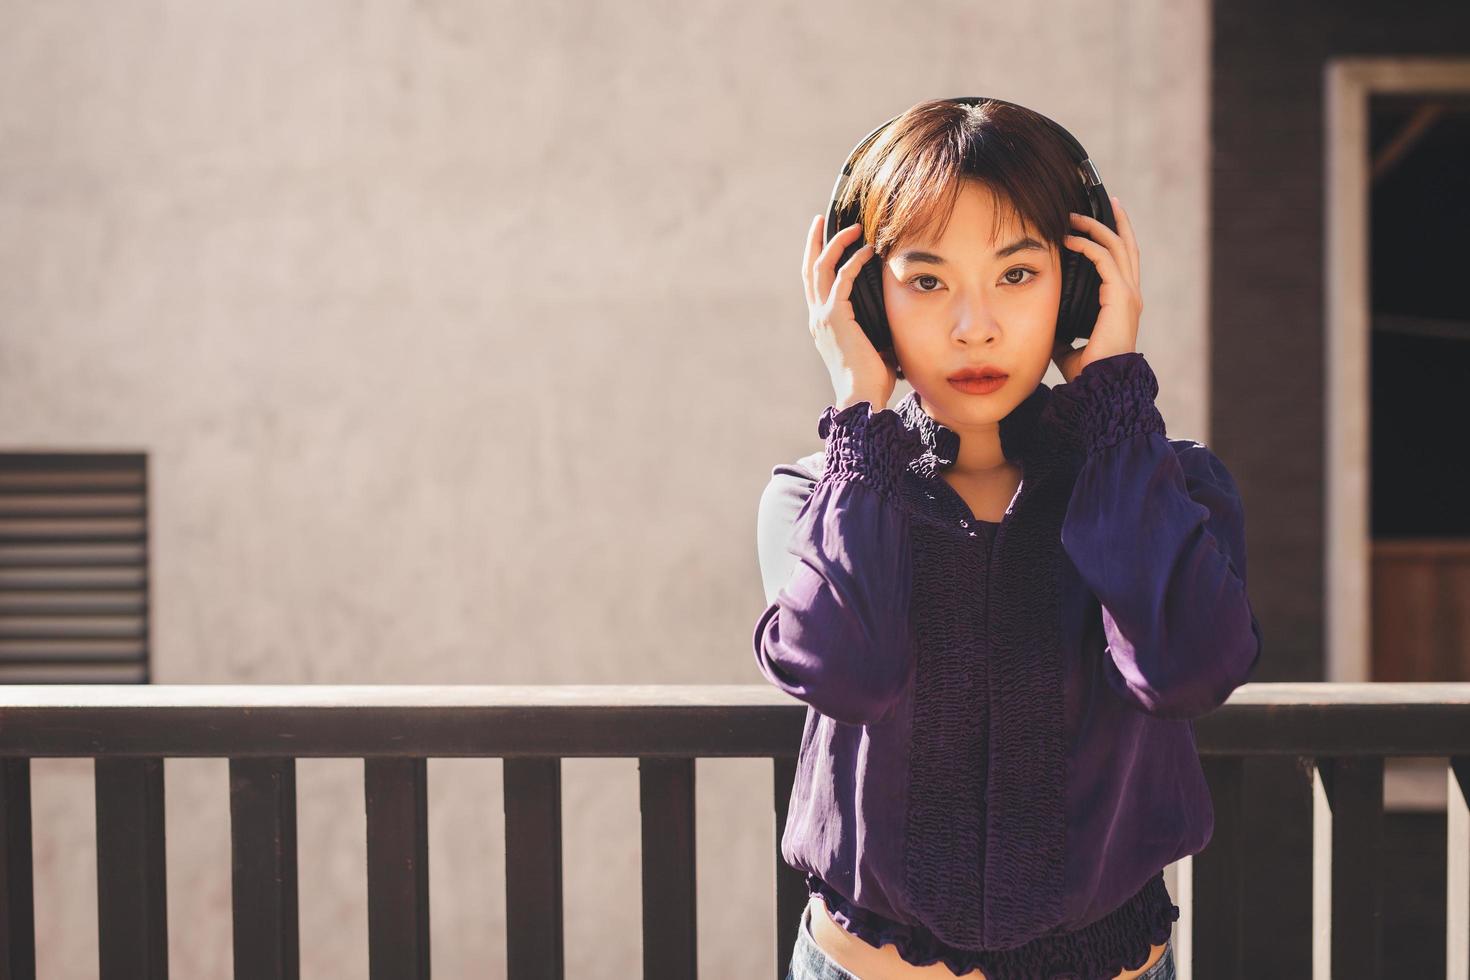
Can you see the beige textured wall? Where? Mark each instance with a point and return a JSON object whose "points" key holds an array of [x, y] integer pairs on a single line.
{"points": [[462, 338]]}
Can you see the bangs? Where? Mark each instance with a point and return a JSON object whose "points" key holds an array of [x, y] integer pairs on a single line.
{"points": [[905, 183]]}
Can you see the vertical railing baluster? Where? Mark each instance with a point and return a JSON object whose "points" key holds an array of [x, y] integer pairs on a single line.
{"points": [[666, 799], [1457, 866], [1218, 891], [1347, 868], [17, 903], [533, 872], [395, 794], [263, 868], [132, 907], [791, 891]]}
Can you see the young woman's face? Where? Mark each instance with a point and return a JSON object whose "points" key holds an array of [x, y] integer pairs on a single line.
{"points": [[973, 302]]}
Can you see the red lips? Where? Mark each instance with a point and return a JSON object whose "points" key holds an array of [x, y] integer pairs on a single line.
{"points": [[974, 374]]}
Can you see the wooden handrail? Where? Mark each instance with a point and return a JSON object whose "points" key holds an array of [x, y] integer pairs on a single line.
{"points": [[1341, 732]]}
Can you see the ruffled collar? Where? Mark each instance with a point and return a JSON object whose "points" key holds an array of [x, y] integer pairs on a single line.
{"points": [[1022, 431]]}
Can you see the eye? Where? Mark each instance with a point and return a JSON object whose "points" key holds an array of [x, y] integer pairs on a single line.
{"points": [[1005, 278]]}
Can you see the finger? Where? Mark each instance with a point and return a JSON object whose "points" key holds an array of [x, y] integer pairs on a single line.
{"points": [[1125, 229], [1109, 238], [826, 265], [813, 242], [1106, 262], [842, 285]]}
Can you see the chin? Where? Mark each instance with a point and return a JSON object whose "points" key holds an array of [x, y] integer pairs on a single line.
{"points": [[972, 409]]}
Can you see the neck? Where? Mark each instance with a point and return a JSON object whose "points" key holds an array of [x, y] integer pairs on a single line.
{"points": [[977, 453], [980, 456]]}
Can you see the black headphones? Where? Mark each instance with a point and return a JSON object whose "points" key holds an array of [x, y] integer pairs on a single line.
{"points": [[1080, 282]]}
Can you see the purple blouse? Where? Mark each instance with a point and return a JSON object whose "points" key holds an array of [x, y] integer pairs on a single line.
{"points": [[998, 758]]}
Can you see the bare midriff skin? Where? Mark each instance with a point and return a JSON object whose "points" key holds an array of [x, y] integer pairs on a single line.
{"points": [[883, 962]]}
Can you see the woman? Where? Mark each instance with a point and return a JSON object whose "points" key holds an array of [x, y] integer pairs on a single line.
{"points": [[1002, 603]]}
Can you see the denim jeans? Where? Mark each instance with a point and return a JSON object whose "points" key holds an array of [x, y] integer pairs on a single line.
{"points": [[810, 962]]}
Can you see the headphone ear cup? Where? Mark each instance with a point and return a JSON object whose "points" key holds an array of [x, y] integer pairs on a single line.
{"points": [[1068, 295], [1077, 312], [867, 302]]}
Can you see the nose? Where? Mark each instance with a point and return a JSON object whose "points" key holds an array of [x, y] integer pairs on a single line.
{"points": [[975, 323]]}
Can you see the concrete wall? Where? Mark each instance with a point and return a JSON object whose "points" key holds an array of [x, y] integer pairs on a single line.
{"points": [[462, 338]]}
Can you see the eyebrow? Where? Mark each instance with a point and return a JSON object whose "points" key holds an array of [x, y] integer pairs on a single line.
{"points": [[1019, 245]]}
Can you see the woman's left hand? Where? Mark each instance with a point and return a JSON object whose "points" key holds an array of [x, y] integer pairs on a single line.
{"points": [[1120, 297]]}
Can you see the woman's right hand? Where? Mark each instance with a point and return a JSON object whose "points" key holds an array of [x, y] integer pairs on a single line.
{"points": [[858, 371]]}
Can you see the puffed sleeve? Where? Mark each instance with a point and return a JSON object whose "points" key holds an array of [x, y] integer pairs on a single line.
{"points": [[835, 560], [1156, 528]]}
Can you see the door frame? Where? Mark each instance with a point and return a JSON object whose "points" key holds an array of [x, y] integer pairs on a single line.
{"points": [[1348, 82]]}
